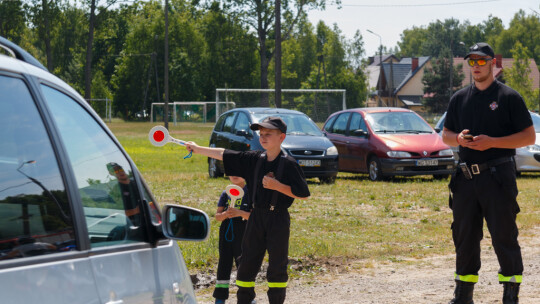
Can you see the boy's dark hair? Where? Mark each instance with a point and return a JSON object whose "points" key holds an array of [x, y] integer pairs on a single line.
{"points": [[271, 122]]}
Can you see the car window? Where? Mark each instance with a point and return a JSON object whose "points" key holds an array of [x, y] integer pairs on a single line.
{"points": [[35, 216], [104, 176], [340, 126], [328, 126], [397, 122], [228, 124], [440, 123], [219, 123], [357, 123], [297, 124], [242, 123]]}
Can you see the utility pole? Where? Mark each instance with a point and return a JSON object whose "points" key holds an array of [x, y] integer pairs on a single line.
{"points": [[277, 56], [380, 66], [166, 72]]}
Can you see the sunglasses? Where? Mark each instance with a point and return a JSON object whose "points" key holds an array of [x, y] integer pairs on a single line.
{"points": [[480, 61]]}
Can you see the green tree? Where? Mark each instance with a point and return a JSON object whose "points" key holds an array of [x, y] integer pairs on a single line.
{"points": [[436, 83], [518, 76], [523, 28], [412, 41], [12, 19], [259, 15]]}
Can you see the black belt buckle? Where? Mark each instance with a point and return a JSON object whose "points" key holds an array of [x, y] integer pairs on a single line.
{"points": [[475, 169], [465, 169]]}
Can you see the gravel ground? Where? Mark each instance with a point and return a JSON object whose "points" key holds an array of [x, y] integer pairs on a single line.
{"points": [[428, 280]]}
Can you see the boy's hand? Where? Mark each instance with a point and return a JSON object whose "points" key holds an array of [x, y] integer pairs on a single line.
{"points": [[233, 212], [192, 146], [269, 182]]}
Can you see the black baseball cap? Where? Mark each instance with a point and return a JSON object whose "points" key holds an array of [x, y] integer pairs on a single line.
{"points": [[271, 122], [482, 49]]}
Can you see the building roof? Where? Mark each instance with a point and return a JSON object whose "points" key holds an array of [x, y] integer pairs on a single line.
{"points": [[376, 59], [402, 71]]}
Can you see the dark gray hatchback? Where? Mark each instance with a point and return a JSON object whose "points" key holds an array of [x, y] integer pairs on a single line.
{"points": [[305, 142]]}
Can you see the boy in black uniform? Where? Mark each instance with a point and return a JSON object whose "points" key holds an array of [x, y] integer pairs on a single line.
{"points": [[488, 120], [275, 180], [231, 232]]}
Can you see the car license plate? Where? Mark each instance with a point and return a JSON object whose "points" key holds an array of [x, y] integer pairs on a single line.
{"points": [[309, 162], [427, 162]]}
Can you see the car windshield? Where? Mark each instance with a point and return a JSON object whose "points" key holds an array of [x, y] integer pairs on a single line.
{"points": [[536, 121], [297, 124], [397, 122]]}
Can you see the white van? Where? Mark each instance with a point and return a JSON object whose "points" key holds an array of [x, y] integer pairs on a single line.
{"points": [[78, 223]]}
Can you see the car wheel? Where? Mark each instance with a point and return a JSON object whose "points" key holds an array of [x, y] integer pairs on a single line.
{"points": [[440, 176], [375, 170], [327, 179], [213, 169]]}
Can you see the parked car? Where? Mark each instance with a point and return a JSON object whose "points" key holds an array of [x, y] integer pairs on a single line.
{"points": [[439, 127], [78, 223], [305, 142], [527, 158], [387, 142]]}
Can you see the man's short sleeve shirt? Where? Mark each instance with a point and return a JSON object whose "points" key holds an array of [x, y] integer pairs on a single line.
{"points": [[497, 111]]}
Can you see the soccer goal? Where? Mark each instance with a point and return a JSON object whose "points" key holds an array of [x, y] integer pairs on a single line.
{"points": [[103, 107], [187, 111], [316, 103]]}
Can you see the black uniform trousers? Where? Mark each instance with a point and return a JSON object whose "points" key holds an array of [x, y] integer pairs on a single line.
{"points": [[490, 195], [266, 230], [230, 249]]}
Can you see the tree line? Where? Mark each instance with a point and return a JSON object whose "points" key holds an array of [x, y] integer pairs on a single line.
{"points": [[114, 49]]}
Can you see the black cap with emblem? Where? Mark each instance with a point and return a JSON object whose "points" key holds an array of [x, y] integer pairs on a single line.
{"points": [[482, 49], [271, 122]]}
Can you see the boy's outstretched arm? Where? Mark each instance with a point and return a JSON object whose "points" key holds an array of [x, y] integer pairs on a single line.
{"points": [[216, 153]]}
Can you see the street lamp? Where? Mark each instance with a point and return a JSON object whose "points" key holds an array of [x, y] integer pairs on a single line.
{"points": [[380, 64]]}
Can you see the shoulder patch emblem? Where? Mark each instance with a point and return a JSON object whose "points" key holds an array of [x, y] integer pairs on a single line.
{"points": [[493, 106]]}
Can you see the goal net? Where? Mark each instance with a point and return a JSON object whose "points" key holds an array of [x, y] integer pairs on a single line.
{"points": [[316, 103], [103, 107], [188, 111]]}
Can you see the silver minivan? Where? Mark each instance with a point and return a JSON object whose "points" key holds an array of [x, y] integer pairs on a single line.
{"points": [[78, 224]]}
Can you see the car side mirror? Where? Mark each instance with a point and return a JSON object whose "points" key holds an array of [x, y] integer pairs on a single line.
{"points": [[438, 130], [183, 223], [360, 133]]}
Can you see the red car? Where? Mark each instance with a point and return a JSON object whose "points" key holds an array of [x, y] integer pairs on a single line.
{"points": [[387, 142]]}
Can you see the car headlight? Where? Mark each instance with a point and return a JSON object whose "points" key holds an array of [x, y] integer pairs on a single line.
{"points": [[331, 151], [398, 154], [447, 152], [533, 148]]}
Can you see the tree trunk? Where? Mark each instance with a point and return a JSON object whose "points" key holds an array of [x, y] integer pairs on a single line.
{"points": [[277, 58], [264, 70], [47, 35], [88, 67]]}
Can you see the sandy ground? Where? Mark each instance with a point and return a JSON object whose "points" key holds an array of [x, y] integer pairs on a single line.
{"points": [[428, 280]]}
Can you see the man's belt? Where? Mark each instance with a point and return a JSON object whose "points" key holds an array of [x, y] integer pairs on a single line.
{"points": [[477, 168]]}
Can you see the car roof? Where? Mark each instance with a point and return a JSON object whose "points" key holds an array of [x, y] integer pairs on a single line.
{"points": [[375, 110], [261, 110]]}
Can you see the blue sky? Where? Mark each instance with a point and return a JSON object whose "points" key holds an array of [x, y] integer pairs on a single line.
{"points": [[389, 18]]}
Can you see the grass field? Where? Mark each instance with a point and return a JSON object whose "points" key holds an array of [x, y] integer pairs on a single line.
{"points": [[399, 220]]}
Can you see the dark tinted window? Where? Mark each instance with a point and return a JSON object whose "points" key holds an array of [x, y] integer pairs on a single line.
{"points": [[328, 126], [340, 126], [104, 176], [229, 120], [357, 123], [242, 123], [219, 123], [35, 216]]}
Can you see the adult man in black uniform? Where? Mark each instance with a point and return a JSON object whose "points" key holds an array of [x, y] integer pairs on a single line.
{"points": [[275, 180], [488, 120]]}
